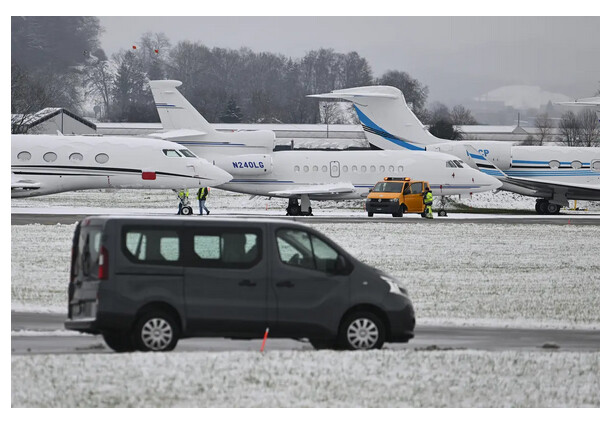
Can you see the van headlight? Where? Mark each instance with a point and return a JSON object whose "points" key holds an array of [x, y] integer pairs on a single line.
{"points": [[394, 287], [396, 199]]}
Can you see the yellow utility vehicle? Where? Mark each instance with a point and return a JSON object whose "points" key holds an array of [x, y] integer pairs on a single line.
{"points": [[395, 196]]}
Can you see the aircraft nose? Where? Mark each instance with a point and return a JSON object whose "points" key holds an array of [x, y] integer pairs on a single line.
{"points": [[489, 182], [217, 175]]}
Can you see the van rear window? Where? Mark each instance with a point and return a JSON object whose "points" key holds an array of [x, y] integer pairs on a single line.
{"points": [[88, 248], [153, 246]]}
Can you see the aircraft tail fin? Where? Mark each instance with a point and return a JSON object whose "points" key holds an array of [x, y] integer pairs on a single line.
{"points": [[175, 111], [385, 117]]}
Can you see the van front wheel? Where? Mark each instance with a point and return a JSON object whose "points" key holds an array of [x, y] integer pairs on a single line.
{"points": [[362, 331], [156, 331]]}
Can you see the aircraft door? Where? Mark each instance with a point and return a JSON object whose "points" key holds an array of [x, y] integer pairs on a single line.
{"points": [[334, 169]]}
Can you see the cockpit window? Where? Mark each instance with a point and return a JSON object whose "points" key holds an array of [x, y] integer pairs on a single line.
{"points": [[188, 153], [171, 153], [450, 163], [459, 163]]}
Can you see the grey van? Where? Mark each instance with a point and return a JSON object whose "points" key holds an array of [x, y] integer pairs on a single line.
{"points": [[145, 282]]}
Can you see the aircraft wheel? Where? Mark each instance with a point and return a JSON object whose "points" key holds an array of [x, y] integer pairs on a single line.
{"points": [[553, 209], [442, 213], [294, 210], [186, 210], [542, 206]]}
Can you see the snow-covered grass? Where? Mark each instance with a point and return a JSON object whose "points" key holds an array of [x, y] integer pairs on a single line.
{"points": [[487, 274], [384, 378]]}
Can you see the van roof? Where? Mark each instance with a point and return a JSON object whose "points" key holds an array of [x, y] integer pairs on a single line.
{"points": [[223, 219]]}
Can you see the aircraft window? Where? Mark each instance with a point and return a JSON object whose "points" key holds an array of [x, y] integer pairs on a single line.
{"points": [[363, 169], [345, 169], [354, 169], [391, 169], [450, 164], [296, 169], [171, 153], [554, 164], [324, 168], [372, 169], [306, 168], [75, 157], [315, 168], [188, 153], [595, 165], [576, 165], [101, 158], [458, 163], [382, 169], [50, 157], [401, 169], [24, 156]]}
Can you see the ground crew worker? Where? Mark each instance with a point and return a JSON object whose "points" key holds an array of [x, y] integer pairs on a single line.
{"points": [[428, 203], [182, 196], [202, 196]]}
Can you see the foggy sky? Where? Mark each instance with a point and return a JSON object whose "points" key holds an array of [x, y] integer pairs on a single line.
{"points": [[457, 57]]}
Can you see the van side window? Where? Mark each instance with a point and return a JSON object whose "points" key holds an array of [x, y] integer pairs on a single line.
{"points": [[220, 248], [151, 246], [88, 249], [301, 249], [416, 187]]}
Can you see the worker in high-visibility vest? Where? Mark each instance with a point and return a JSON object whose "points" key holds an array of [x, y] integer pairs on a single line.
{"points": [[428, 203], [202, 196], [182, 196]]}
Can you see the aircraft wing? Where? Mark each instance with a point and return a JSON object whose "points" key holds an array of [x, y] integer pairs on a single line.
{"points": [[178, 135], [326, 189], [575, 190], [20, 183]]}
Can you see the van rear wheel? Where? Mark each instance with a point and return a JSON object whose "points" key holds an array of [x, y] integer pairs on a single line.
{"points": [[119, 342], [362, 331], [156, 331]]}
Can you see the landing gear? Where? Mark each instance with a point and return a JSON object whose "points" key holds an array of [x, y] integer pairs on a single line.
{"points": [[294, 208], [442, 212], [543, 206]]}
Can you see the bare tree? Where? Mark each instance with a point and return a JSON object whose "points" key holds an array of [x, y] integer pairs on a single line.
{"points": [[544, 126], [569, 129], [589, 128], [462, 116]]}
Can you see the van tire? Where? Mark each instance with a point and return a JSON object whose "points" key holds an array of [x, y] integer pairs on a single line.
{"points": [[400, 212], [119, 342], [156, 331], [362, 330]]}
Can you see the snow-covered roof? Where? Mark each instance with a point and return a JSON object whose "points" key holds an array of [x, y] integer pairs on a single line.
{"points": [[39, 117]]}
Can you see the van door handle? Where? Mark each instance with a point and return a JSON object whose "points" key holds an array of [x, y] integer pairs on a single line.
{"points": [[247, 283], [285, 284]]}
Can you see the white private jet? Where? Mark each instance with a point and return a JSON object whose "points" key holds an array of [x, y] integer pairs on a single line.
{"points": [[552, 174], [47, 164], [304, 175]]}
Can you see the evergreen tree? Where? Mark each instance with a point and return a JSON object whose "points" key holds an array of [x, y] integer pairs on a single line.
{"points": [[232, 113]]}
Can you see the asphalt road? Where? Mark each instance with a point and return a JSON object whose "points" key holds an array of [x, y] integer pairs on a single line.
{"points": [[43, 333], [564, 219]]}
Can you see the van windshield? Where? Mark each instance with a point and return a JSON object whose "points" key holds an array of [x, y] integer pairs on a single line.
{"points": [[390, 187]]}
